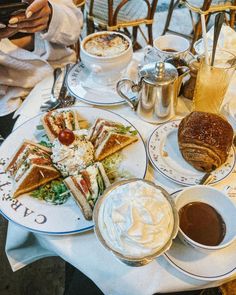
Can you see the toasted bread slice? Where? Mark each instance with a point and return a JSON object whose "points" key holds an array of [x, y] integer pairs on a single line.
{"points": [[97, 127], [103, 172], [109, 137], [113, 142], [30, 167], [54, 121], [72, 183], [27, 144], [87, 187], [34, 177]]}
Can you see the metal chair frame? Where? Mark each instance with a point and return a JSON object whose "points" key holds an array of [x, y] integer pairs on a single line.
{"points": [[76, 46], [113, 25], [206, 9]]}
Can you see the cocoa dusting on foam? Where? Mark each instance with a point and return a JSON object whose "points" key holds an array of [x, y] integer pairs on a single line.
{"points": [[106, 45]]}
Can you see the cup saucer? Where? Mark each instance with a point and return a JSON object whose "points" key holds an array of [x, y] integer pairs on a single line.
{"points": [[86, 87], [215, 266]]}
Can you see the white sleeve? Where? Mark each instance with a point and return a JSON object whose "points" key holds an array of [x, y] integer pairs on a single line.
{"points": [[65, 24]]}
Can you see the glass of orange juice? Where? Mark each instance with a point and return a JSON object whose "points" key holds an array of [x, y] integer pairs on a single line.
{"points": [[213, 81]]}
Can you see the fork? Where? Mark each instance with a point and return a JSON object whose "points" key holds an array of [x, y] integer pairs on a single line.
{"points": [[53, 102], [65, 99]]}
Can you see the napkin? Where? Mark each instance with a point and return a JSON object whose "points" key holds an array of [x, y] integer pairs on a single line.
{"points": [[227, 40], [40, 93], [11, 100], [31, 105]]}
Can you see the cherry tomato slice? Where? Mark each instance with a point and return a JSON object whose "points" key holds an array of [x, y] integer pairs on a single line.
{"points": [[66, 136]]}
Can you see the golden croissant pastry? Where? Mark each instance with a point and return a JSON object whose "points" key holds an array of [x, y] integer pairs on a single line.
{"points": [[205, 140]]}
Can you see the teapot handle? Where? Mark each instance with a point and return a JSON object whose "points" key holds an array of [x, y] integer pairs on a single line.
{"points": [[134, 88]]}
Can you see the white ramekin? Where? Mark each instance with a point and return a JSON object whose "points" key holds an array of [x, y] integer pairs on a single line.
{"points": [[220, 202]]}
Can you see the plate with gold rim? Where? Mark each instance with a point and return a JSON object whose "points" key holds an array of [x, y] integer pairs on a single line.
{"points": [[165, 156]]}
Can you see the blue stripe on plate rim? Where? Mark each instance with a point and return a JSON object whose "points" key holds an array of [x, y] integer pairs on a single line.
{"points": [[122, 101], [172, 179], [90, 227], [195, 276], [47, 232], [204, 278]]}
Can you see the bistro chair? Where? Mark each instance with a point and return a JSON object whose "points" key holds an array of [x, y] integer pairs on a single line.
{"points": [[120, 15], [80, 4], [205, 5]]}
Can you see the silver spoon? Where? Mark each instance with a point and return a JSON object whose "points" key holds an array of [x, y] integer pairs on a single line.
{"points": [[207, 178], [219, 20], [53, 102]]}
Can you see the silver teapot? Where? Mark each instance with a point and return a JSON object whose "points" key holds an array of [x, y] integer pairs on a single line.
{"points": [[157, 92]]}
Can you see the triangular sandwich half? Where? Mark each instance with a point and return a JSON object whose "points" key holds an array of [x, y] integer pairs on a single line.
{"points": [[30, 167], [87, 187], [27, 148], [109, 137], [35, 176], [97, 127], [57, 120]]}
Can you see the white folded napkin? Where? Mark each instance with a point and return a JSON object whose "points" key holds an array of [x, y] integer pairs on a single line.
{"points": [[227, 40], [11, 100], [40, 93], [31, 105]]}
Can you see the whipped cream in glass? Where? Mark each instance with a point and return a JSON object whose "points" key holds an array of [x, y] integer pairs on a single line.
{"points": [[136, 219]]}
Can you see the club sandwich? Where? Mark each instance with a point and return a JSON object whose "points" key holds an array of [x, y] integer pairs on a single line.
{"points": [[57, 120], [109, 137], [30, 167], [87, 187]]}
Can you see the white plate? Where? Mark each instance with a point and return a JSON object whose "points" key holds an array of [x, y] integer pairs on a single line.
{"points": [[81, 86], [40, 216], [164, 154], [216, 265]]}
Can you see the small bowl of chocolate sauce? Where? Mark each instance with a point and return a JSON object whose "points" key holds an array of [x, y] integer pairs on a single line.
{"points": [[207, 218]]}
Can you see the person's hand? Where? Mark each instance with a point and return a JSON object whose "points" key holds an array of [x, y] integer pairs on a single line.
{"points": [[35, 19], [6, 32]]}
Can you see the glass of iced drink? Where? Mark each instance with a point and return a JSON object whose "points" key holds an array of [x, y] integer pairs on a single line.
{"points": [[213, 81]]}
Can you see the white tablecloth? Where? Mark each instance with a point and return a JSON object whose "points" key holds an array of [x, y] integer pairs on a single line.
{"points": [[84, 251]]}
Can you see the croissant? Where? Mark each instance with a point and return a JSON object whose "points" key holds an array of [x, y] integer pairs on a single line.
{"points": [[205, 140]]}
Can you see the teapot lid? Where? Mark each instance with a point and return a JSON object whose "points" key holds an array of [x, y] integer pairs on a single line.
{"points": [[158, 73]]}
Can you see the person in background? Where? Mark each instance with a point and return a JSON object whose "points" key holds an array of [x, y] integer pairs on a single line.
{"points": [[31, 45]]}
